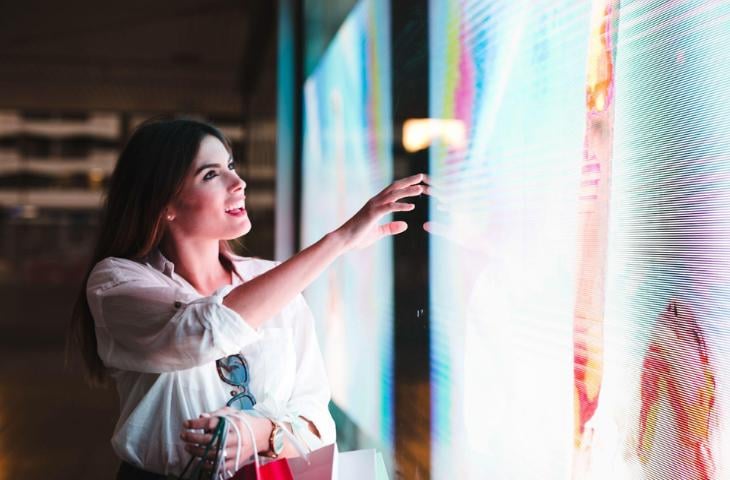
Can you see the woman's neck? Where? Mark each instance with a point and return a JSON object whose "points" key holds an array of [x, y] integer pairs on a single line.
{"points": [[198, 263]]}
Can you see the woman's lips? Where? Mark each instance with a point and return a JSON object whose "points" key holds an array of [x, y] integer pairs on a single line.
{"points": [[237, 212]]}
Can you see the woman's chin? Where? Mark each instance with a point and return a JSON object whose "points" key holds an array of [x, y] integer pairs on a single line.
{"points": [[239, 232]]}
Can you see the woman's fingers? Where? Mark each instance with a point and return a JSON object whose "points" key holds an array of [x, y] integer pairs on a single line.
{"points": [[201, 435], [231, 450], [383, 210], [401, 207], [395, 195], [228, 466], [199, 451], [393, 228], [202, 423], [387, 200], [407, 182], [194, 437], [206, 423], [362, 229], [412, 180], [207, 465]]}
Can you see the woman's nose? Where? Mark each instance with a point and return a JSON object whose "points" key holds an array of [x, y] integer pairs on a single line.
{"points": [[238, 184]]}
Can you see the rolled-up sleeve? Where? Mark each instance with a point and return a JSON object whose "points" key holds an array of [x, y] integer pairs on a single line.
{"points": [[311, 395], [144, 324]]}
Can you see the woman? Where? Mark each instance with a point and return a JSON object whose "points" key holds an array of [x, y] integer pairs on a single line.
{"points": [[185, 327]]}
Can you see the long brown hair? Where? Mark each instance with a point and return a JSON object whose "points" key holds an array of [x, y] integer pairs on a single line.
{"points": [[148, 175]]}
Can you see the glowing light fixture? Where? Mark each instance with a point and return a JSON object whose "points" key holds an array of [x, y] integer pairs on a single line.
{"points": [[419, 133]]}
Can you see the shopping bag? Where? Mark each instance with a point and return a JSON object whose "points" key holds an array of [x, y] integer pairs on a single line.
{"points": [[381, 473], [271, 470], [320, 464], [361, 465], [274, 470]]}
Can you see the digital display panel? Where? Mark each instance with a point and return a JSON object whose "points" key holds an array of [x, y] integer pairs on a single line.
{"points": [[580, 262], [346, 160]]}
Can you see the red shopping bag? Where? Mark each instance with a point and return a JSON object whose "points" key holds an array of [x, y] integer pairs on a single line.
{"points": [[319, 464], [277, 469], [273, 470]]}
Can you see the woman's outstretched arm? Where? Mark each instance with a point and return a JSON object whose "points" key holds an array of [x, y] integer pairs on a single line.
{"points": [[261, 298]]}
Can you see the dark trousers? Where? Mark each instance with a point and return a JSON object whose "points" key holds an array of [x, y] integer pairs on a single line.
{"points": [[130, 472]]}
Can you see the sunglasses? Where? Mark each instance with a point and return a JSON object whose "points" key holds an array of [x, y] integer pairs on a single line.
{"points": [[233, 370]]}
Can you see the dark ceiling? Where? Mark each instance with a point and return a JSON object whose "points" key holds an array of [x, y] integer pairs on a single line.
{"points": [[163, 55]]}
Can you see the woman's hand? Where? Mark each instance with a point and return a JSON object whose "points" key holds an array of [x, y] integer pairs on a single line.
{"points": [[261, 298], [199, 432], [363, 229]]}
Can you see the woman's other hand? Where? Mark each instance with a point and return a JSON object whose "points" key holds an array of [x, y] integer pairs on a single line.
{"points": [[198, 433], [364, 229]]}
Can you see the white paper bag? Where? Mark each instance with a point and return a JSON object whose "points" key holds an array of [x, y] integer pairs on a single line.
{"points": [[361, 465], [320, 464]]}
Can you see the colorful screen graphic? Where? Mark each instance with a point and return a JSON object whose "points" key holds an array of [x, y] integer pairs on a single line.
{"points": [[347, 159], [580, 264]]}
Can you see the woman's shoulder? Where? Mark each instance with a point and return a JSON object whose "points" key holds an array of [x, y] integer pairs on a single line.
{"points": [[114, 270], [121, 264]]}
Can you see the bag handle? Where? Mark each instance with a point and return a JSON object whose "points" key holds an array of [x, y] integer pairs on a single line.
{"points": [[257, 463], [220, 435], [302, 449], [238, 448]]}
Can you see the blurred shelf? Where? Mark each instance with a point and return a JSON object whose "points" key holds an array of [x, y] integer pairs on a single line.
{"points": [[51, 198], [100, 125], [97, 162]]}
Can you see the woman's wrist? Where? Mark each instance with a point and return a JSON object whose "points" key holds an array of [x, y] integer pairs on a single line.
{"points": [[336, 241], [263, 429]]}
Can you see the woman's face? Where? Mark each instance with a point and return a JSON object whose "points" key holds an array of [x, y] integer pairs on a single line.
{"points": [[211, 203]]}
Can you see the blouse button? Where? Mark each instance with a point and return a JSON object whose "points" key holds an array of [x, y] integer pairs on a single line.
{"points": [[178, 304]]}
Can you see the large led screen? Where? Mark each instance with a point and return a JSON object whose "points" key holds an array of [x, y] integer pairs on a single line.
{"points": [[580, 264], [347, 159]]}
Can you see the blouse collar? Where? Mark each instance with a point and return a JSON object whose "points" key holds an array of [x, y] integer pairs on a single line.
{"points": [[159, 262]]}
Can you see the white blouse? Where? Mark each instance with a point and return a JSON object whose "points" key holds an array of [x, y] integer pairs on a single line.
{"points": [[160, 339]]}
